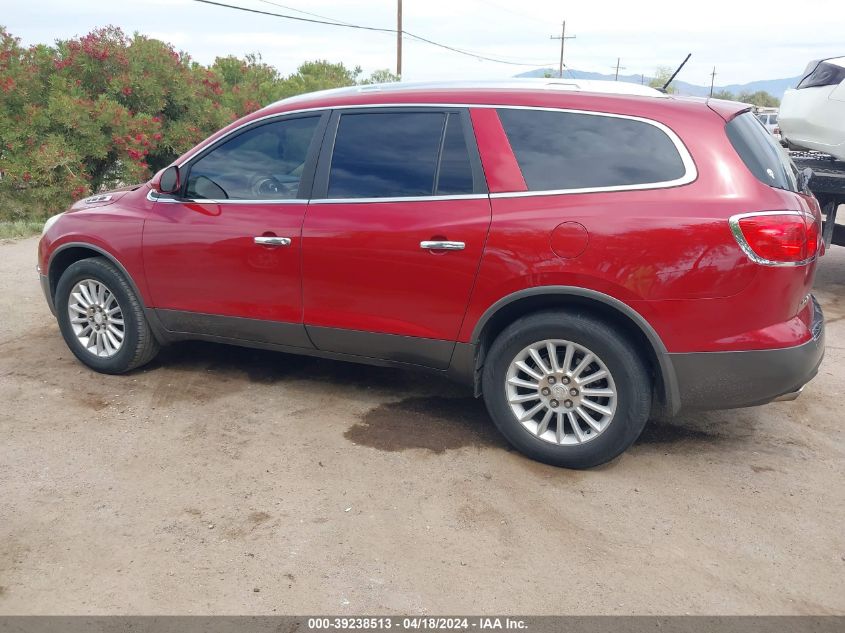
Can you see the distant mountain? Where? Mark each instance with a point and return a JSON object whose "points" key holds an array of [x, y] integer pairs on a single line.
{"points": [[775, 87]]}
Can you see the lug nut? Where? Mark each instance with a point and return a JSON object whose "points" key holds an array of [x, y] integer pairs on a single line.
{"points": [[551, 380], [565, 380], [573, 392], [546, 391], [554, 404], [567, 404]]}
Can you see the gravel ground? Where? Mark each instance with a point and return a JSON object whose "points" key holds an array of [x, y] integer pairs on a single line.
{"points": [[227, 481]]}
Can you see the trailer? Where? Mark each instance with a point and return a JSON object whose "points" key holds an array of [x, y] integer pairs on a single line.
{"points": [[828, 185]]}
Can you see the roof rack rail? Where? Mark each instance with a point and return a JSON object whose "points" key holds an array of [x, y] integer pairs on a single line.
{"points": [[576, 85]]}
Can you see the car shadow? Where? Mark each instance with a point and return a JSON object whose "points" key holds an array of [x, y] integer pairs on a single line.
{"points": [[420, 410]]}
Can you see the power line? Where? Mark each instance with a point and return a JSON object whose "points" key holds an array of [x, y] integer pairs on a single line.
{"points": [[313, 15], [329, 22], [296, 17], [462, 51], [472, 53]]}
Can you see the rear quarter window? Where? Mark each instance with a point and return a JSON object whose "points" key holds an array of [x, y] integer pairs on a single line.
{"points": [[761, 153], [559, 150]]}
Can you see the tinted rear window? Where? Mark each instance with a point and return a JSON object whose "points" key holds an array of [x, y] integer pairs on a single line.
{"points": [[568, 150], [761, 152]]}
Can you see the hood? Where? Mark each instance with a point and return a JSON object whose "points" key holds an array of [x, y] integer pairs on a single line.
{"points": [[103, 198]]}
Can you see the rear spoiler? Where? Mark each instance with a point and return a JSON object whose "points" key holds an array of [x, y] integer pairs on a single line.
{"points": [[728, 109]]}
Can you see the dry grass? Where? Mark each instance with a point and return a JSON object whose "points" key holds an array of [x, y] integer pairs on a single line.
{"points": [[20, 228]]}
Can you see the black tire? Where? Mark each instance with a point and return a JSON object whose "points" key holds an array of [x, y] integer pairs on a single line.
{"points": [[139, 344], [628, 369]]}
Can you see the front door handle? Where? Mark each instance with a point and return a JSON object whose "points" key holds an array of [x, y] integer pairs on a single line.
{"points": [[271, 240], [442, 245]]}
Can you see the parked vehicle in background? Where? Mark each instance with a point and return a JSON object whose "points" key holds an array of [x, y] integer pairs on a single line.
{"points": [[812, 115], [573, 254], [769, 118], [812, 121]]}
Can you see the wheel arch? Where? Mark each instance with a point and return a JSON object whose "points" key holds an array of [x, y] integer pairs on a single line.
{"points": [[72, 252], [597, 304]]}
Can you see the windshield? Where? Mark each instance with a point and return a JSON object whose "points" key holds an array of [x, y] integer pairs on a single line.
{"points": [[762, 154]]}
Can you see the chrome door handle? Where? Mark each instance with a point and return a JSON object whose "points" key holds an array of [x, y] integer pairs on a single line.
{"points": [[434, 245], [267, 240]]}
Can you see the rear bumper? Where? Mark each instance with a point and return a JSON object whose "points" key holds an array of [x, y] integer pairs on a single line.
{"points": [[729, 380]]}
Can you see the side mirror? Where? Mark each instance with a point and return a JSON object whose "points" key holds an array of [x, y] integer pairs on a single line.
{"points": [[170, 180]]}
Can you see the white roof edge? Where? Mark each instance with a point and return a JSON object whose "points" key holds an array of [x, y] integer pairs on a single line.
{"points": [[576, 85]]}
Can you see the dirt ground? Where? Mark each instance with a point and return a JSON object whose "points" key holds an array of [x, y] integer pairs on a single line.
{"points": [[228, 481]]}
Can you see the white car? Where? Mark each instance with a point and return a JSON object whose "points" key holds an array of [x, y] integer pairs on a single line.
{"points": [[770, 121], [812, 115]]}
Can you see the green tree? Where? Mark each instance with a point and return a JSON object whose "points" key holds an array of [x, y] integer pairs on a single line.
{"points": [[727, 95], [761, 98], [107, 109], [320, 75], [661, 76], [381, 76]]}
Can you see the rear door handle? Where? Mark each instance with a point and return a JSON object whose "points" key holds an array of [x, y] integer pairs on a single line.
{"points": [[442, 245], [271, 240]]}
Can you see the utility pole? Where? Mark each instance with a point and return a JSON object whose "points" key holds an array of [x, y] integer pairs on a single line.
{"points": [[712, 80], [618, 68], [399, 39], [562, 37]]}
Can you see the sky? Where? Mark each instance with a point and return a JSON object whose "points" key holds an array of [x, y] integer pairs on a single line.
{"points": [[745, 41]]}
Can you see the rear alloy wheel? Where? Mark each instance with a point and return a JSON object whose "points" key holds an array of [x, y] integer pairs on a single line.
{"points": [[101, 318], [561, 392], [566, 389]]}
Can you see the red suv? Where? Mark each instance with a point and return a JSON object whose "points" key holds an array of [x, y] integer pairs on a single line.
{"points": [[581, 259]]}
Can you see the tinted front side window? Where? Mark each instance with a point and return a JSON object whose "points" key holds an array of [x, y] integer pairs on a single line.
{"points": [[263, 163], [567, 150], [761, 153], [399, 154]]}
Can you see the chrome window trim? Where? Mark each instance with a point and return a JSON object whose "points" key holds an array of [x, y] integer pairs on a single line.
{"points": [[690, 170], [460, 196], [733, 222], [154, 197]]}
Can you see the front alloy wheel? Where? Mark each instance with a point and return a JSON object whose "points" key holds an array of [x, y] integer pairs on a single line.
{"points": [[96, 318], [101, 317]]}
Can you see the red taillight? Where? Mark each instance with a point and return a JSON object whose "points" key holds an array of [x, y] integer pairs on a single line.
{"points": [[814, 236], [777, 238]]}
